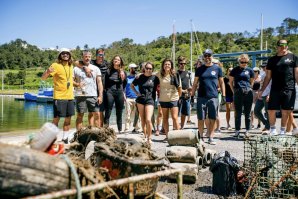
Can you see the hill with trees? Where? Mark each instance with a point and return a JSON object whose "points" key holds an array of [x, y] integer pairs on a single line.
{"points": [[24, 63]]}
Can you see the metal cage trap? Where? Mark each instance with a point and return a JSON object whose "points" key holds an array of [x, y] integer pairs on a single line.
{"points": [[270, 164]]}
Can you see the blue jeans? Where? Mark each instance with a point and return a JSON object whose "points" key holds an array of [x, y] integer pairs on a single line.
{"points": [[260, 104]]}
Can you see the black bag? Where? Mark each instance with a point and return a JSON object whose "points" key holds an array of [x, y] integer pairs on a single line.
{"points": [[224, 169]]}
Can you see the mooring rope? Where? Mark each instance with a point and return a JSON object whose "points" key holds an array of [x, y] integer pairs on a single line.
{"points": [[76, 176]]}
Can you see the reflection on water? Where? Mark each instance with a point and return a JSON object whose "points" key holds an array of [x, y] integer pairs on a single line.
{"points": [[21, 115]]}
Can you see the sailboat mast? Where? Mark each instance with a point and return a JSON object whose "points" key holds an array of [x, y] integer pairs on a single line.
{"points": [[174, 41], [261, 44], [191, 46]]}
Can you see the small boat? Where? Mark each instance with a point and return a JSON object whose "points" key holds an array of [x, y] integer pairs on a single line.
{"points": [[44, 95]]}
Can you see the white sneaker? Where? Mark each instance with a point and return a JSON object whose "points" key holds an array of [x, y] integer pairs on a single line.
{"points": [[246, 134], [282, 133], [237, 133], [295, 132], [273, 132]]}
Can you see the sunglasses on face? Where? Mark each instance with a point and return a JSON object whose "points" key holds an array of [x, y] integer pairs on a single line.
{"points": [[148, 68], [100, 54], [282, 44], [182, 63], [243, 62], [207, 55]]}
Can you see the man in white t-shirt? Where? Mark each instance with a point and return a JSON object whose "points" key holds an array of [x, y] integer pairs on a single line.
{"points": [[87, 98]]}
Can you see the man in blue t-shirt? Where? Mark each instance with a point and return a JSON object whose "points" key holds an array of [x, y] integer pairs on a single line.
{"points": [[208, 76], [130, 102]]}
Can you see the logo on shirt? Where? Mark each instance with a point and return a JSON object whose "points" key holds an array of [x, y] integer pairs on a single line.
{"points": [[213, 73], [288, 60], [246, 72]]}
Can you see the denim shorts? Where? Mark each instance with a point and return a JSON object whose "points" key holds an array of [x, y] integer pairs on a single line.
{"points": [[184, 106], [207, 108]]}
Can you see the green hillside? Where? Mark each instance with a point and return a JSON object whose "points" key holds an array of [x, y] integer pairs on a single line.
{"points": [[24, 63]]}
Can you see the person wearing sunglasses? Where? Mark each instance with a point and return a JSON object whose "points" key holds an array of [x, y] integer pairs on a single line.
{"points": [[241, 79], [184, 101], [147, 84], [170, 90], [207, 79], [282, 69], [62, 73]]}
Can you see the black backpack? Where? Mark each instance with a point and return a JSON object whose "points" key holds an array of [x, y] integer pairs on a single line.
{"points": [[224, 169]]}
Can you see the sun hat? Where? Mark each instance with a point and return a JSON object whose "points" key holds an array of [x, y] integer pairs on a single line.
{"points": [[132, 65]]}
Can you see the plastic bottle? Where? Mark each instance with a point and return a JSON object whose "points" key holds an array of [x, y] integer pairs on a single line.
{"points": [[45, 137]]}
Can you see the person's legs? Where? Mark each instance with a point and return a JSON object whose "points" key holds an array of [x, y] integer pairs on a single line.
{"points": [[119, 105], [165, 120], [228, 114], [136, 121], [258, 111], [79, 121], [129, 107], [247, 103], [141, 109], [174, 113], [185, 111], [148, 115], [238, 110], [109, 102], [158, 120]]}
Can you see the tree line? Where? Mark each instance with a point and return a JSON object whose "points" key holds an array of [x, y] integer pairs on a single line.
{"points": [[19, 55]]}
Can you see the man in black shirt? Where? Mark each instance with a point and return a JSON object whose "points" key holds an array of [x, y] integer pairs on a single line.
{"points": [[282, 69], [184, 101]]}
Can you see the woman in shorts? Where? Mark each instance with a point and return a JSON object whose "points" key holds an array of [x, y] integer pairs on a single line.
{"points": [[170, 90], [147, 84]]}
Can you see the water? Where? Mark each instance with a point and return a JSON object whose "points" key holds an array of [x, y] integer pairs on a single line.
{"points": [[22, 115]]}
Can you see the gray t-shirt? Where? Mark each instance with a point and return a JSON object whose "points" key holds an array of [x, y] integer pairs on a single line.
{"points": [[89, 87]]}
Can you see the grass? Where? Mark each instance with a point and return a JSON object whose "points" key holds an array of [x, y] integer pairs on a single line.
{"points": [[31, 84]]}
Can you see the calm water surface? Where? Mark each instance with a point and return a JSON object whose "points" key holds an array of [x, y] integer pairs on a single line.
{"points": [[20, 115]]}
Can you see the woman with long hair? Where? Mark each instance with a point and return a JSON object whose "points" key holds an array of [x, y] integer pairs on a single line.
{"points": [[115, 82], [147, 84], [170, 90]]}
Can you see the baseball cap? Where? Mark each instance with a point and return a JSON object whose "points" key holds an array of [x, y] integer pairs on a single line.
{"points": [[208, 51], [132, 65], [256, 69]]}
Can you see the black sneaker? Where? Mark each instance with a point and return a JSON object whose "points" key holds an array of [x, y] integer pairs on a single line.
{"points": [[65, 141]]}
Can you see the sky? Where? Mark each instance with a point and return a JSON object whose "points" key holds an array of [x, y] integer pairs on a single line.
{"points": [[72, 23]]}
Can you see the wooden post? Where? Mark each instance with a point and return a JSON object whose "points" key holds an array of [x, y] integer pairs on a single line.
{"points": [[180, 185], [131, 191]]}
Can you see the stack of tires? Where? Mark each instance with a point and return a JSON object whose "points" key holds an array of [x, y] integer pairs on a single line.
{"points": [[185, 151]]}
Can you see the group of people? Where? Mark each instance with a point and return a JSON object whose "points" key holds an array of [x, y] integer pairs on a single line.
{"points": [[95, 86]]}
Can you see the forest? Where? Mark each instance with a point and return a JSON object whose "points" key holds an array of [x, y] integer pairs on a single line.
{"points": [[24, 63]]}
